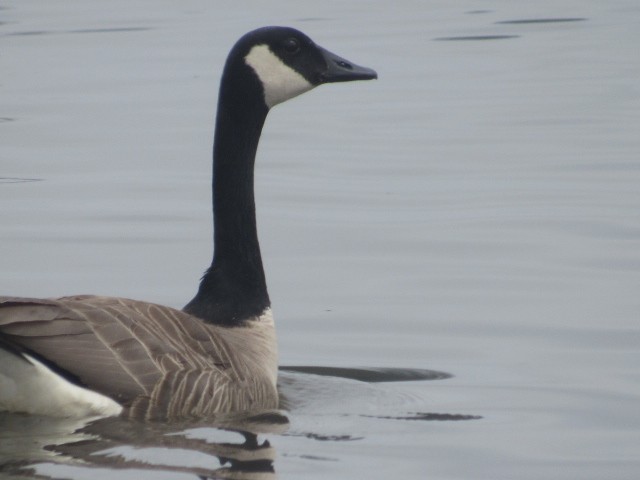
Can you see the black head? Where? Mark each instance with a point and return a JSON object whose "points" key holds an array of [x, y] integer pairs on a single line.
{"points": [[265, 67], [287, 63]]}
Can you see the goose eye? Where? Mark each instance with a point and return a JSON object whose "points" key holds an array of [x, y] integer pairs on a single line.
{"points": [[291, 46]]}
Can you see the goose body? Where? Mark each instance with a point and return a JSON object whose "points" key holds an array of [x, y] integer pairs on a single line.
{"points": [[98, 356], [156, 361]]}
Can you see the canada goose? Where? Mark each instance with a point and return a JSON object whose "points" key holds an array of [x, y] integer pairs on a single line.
{"points": [[100, 356]]}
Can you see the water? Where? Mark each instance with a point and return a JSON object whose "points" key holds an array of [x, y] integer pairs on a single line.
{"points": [[475, 212]]}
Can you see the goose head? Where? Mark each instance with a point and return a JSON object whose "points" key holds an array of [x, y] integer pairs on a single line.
{"points": [[265, 67], [283, 63]]}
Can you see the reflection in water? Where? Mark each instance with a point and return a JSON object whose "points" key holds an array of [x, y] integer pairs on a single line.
{"points": [[473, 38], [429, 417], [476, 37], [541, 20], [19, 180], [225, 447], [117, 444], [82, 30], [371, 375]]}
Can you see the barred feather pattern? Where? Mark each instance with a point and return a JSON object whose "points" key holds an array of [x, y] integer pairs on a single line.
{"points": [[155, 361]]}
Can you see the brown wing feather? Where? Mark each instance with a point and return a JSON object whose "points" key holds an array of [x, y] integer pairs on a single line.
{"points": [[121, 348], [156, 361]]}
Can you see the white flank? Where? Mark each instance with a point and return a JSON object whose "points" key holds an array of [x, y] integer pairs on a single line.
{"points": [[31, 387], [279, 81]]}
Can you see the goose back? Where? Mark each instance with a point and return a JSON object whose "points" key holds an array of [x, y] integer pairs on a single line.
{"points": [[155, 361]]}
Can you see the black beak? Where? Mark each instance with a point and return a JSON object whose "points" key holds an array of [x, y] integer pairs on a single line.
{"points": [[341, 70]]}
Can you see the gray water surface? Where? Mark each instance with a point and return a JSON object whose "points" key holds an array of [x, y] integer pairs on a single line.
{"points": [[475, 211]]}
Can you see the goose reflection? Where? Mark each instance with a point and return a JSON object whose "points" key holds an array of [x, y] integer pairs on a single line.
{"points": [[229, 447], [326, 404]]}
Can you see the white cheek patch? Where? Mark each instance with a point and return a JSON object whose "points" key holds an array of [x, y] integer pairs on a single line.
{"points": [[280, 82]]}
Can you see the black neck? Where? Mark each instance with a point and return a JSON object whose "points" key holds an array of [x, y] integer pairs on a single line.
{"points": [[234, 287]]}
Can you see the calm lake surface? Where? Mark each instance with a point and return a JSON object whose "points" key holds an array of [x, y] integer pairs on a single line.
{"points": [[475, 211]]}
